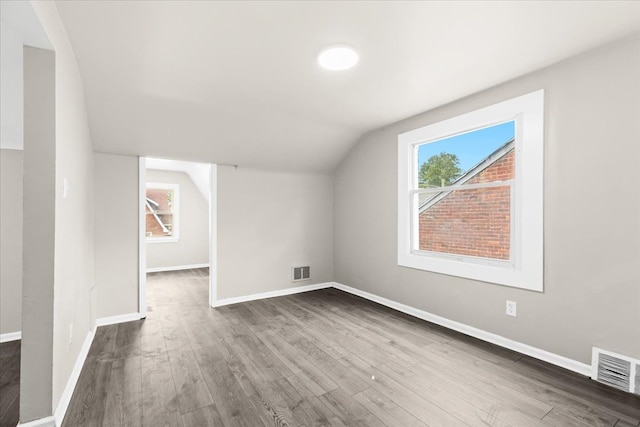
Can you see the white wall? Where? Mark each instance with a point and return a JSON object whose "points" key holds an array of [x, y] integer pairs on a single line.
{"points": [[10, 240], [74, 302], [10, 87], [116, 234], [592, 215], [19, 26], [267, 222], [39, 212], [193, 246]]}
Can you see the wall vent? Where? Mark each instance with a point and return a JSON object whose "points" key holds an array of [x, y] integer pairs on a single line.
{"points": [[615, 370], [298, 274]]}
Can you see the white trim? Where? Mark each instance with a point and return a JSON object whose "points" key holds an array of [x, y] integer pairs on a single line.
{"points": [[272, 294], [40, 422], [554, 359], [594, 362], [67, 394], [213, 234], [159, 240], [462, 187], [65, 399], [121, 318], [142, 238], [10, 336], [176, 268], [546, 356], [526, 269]]}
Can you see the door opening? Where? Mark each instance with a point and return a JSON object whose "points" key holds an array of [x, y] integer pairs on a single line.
{"points": [[177, 246]]}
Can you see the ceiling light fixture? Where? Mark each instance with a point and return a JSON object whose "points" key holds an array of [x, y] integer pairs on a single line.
{"points": [[338, 57]]}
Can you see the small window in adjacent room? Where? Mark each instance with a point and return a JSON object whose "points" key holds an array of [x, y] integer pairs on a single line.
{"points": [[470, 194], [162, 212]]}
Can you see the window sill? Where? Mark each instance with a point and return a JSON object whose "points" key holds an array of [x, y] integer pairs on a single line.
{"points": [[490, 272], [163, 240]]}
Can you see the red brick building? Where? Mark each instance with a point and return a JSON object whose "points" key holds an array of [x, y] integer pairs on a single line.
{"points": [[474, 222]]}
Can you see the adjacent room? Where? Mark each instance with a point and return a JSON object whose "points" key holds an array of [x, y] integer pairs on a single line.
{"points": [[320, 213], [177, 238]]}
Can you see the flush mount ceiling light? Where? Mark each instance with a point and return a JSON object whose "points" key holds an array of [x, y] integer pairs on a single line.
{"points": [[338, 57]]}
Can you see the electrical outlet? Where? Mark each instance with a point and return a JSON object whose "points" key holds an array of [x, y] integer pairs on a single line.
{"points": [[512, 307]]}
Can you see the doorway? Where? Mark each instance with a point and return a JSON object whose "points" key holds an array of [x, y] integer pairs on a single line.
{"points": [[177, 212]]}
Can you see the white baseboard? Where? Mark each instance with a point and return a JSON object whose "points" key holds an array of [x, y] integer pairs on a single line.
{"points": [[40, 422], [554, 359], [176, 268], [10, 336], [121, 318], [272, 294], [546, 356], [65, 399]]}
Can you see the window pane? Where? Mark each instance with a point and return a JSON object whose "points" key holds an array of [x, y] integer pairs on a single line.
{"points": [[484, 155], [159, 209], [474, 222]]}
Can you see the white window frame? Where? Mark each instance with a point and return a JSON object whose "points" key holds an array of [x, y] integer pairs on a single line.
{"points": [[525, 269], [175, 232]]}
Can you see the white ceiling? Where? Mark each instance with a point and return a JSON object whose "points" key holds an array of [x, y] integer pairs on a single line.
{"points": [[238, 82]]}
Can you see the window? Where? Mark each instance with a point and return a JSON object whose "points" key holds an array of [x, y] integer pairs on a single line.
{"points": [[162, 211], [470, 194]]}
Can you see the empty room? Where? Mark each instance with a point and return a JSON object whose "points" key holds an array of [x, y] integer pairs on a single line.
{"points": [[320, 213]]}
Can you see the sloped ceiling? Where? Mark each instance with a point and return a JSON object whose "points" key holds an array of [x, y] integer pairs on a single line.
{"points": [[238, 82], [199, 173]]}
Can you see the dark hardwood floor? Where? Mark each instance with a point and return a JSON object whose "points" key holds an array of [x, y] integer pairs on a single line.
{"points": [[9, 383], [318, 358]]}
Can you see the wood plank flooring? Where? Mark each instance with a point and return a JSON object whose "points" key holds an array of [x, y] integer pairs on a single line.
{"points": [[9, 383], [318, 358]]}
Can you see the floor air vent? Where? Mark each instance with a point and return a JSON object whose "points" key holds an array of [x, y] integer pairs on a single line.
{"points": [[299, 274], [615, 370]]}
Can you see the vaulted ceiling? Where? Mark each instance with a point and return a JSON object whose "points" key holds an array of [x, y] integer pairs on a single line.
{"points": [[238, 82]]}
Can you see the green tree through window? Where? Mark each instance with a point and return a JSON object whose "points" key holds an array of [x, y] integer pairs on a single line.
{"points": [[439, 170]]}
